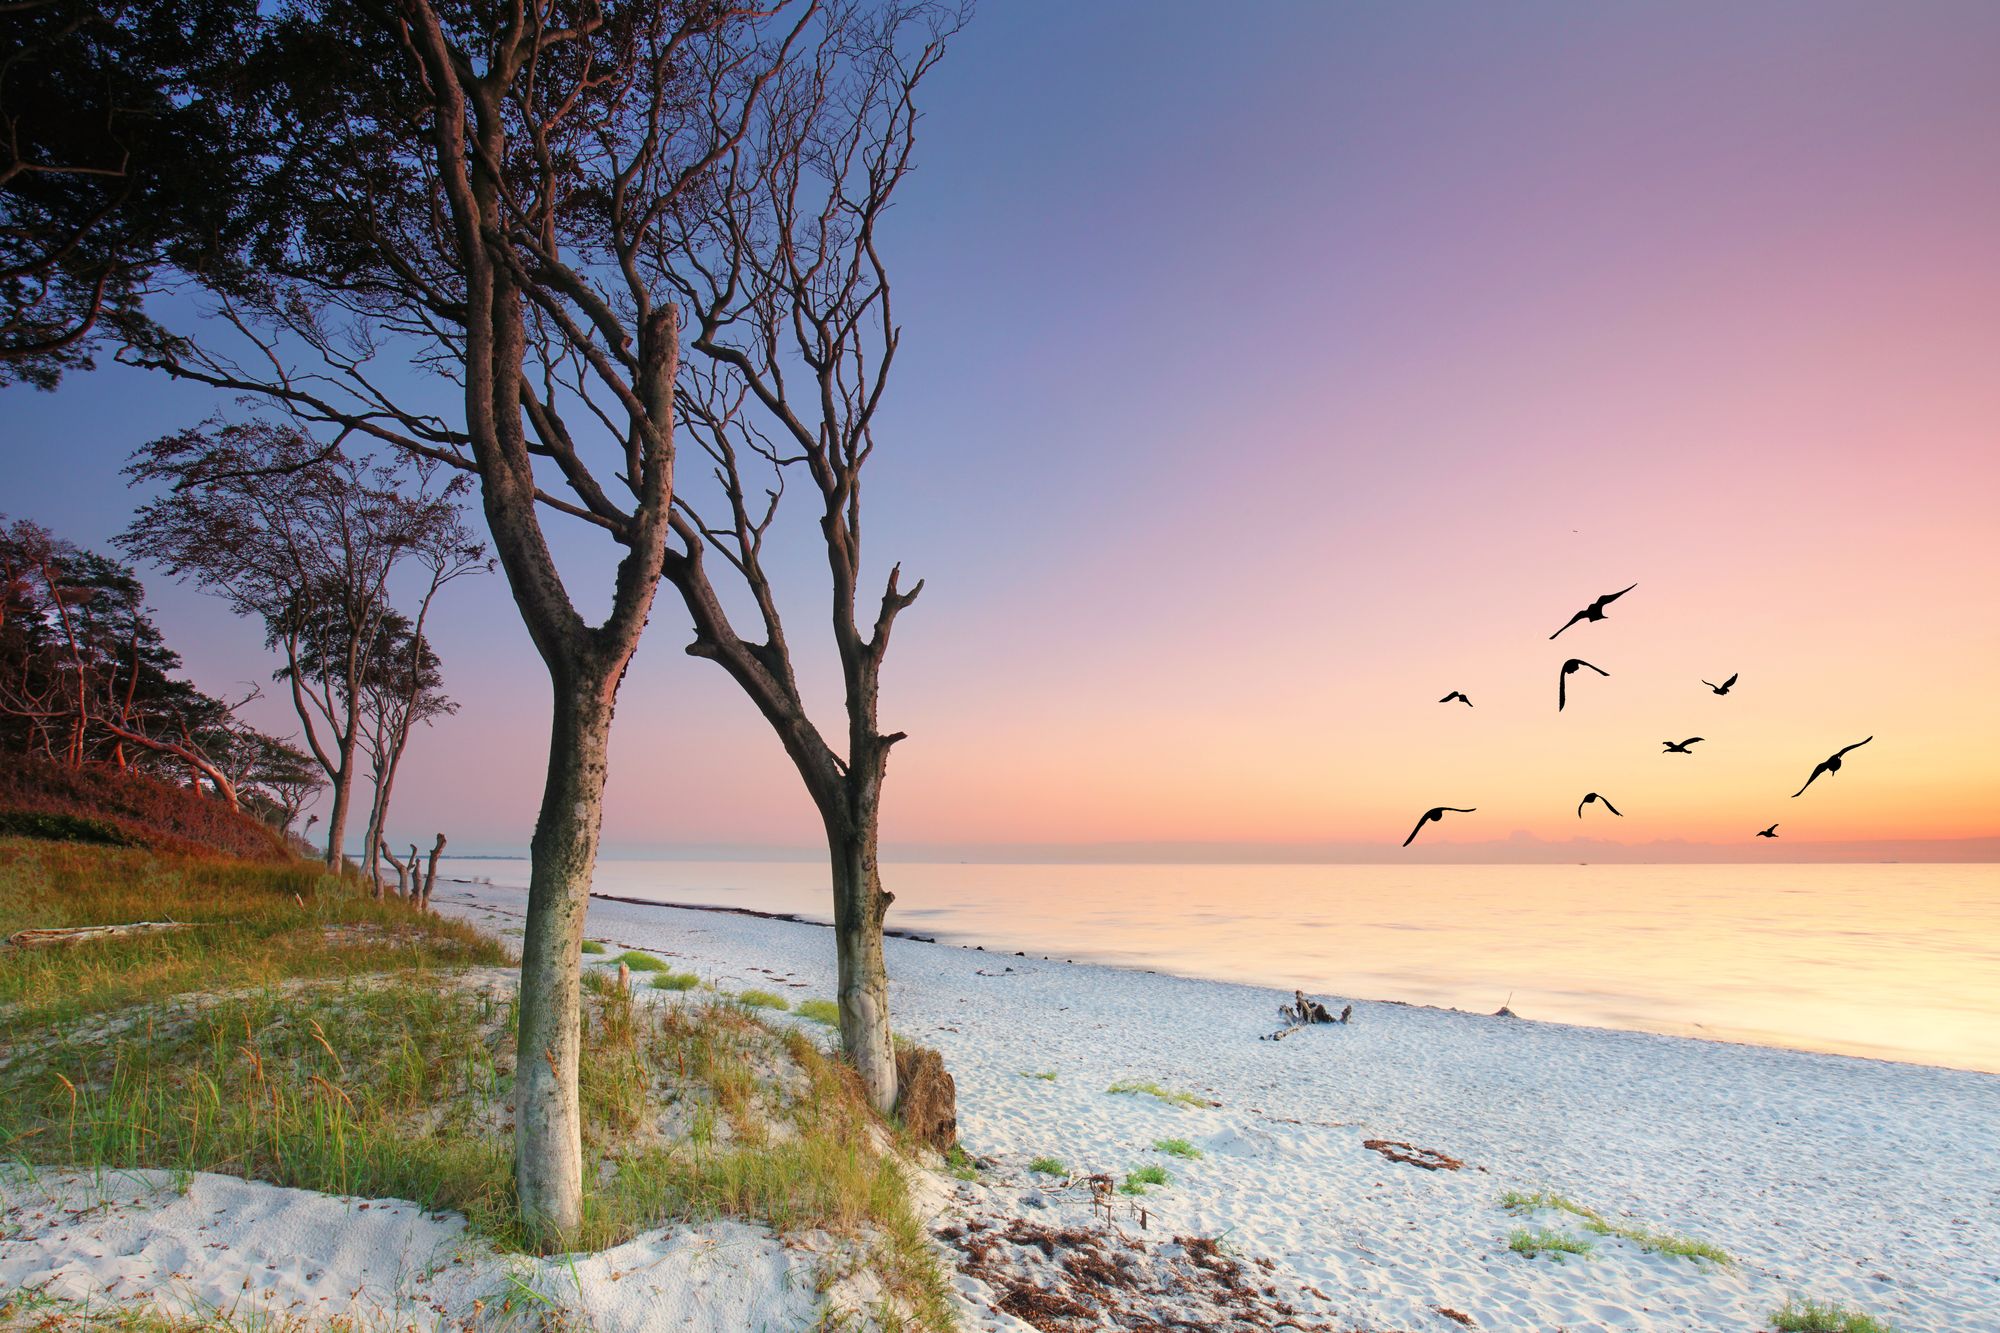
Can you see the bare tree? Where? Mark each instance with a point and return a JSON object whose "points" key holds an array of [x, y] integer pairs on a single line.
{"points": [[794, 338], [306, 540], [489, 191], [405, 689]]}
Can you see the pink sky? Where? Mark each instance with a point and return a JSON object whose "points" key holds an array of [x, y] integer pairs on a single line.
{"points": [[1263, 382]]}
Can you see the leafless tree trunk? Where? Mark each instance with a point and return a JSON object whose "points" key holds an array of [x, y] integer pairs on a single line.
{"points": [[431, 872], [793, 343]]}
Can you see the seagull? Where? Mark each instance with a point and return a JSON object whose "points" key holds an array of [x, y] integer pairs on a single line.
{"points": [[1680, 747], [1455, 694], [1593, 796], [1562, 681], [1831, 765], [1724, 687], [1436, 812], [1770, 832], [1595, 611]]}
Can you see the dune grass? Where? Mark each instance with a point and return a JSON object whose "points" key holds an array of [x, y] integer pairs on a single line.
{"points": [[1555, 1244], [1137, 1179], [1148, 1088], [595, 946], [819, 1011], [1646, 1238], [1807, 1316], [642, 962], [1048, 1166], [762, 999], [1045, 1075], [308, 1036], [675, 981], [1177, 1148]]}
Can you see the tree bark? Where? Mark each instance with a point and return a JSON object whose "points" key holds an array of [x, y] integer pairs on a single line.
{"points": [[859, 904], [548, 1116], [343, 792]]}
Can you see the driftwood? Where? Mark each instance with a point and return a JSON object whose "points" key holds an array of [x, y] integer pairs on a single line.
{"points": [[430, 874], [1305, 1012], [52, 936]]}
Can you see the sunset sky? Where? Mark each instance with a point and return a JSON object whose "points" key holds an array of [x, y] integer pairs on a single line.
{"points": [[1269, 373]]}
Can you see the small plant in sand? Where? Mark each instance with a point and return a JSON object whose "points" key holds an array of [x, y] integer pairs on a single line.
{"points": [[1137, 1180], [1045, 1075], [1803, 1316], [1148, 1088], [1555, 1244], [1047, 1166], [819, 1011], [676, 981], [1656, 1242], [959, 1162], [641, 962], [594, 946], [762, 999], [1177, 1148]]}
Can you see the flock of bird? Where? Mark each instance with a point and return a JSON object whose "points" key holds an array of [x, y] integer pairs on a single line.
{"points": [[1594, 612]]}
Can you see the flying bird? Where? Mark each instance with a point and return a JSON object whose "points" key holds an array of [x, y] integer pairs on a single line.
{"points": [[1562, 681], [1590, 797], [1679, 747], [1829, 765], [1770, 832], [1725, 686], [1595, 611], [1455, 694], [1433, 814]]}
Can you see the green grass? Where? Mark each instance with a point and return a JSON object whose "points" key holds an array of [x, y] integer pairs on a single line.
{"points": [[357, 1062], [641, 962], [1138, 1179], [1177, 1148], [762, 999], [960, 1164], [1802, 1316], [1134, 1087], [1048, 1166], [1045, 1075], [820, 1011], [594, 946], [1554, 1244], [675, 981], [1657, 1242]]}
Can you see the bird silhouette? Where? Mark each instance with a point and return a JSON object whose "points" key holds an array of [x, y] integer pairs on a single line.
{"points": [[1679, 747], [1828, 765], [1455, 694], [1725, 686], [1562, 681], [1434, 814], [1590, 797], [1595, 611], [1770, 832]]}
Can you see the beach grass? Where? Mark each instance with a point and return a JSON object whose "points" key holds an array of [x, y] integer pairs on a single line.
{"points": [[675, 981], [1048, 1166], [960, 1164], [762, 999], [595, 946], [1646, 1238], [1137, 1179], [1045, 1075], [819, 1011], [308, 1036], [1555, 1244], [1148, 1088], [1808, 1316], [1177, 1148], [642, 962]]}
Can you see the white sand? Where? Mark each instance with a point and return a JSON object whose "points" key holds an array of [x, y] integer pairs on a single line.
{"points": [[1835, 1178]]}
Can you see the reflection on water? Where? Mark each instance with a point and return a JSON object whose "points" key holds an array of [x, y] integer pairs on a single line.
{"points": [[1896, 961]]}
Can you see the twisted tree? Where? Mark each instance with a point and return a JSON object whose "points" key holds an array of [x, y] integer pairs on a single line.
{"points": [[794, 337]]}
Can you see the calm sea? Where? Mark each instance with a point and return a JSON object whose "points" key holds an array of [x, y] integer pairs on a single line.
{"points": [[1900, 962]]}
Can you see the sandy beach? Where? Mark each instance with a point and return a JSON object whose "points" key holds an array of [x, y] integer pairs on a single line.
{"points": [[1827, 1177]]}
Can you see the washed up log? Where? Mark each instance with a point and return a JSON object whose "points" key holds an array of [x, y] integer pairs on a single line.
{"points": [[49, 937], [1304, 1012]]}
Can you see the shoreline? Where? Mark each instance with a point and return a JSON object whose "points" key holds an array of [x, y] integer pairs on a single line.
{"points": [[1835, 1178], [955, 940]]}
